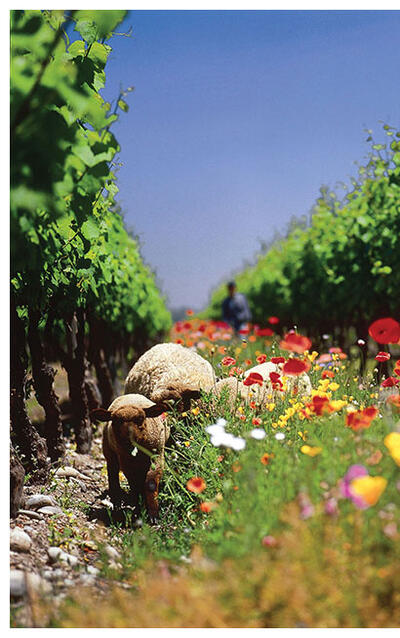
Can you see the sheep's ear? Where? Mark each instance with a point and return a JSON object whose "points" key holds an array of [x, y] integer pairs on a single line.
{"points": [[155, 410], [192, 394], [100, 414]]}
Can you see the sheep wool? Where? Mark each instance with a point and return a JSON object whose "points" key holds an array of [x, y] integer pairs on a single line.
{"points": [[262, 394], [167, 367]]}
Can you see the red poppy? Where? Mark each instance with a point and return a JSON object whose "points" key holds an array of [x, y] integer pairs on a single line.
{"points": [[397, 371], [319, 405], [275, 378], [394, 401], [383, 356], [196, 485], [261, 358], [328, 373], [361, 419], [278, 359], [253, 378], [273, 320], [244, 331], [263, 332], [389, 382], [295, 343], [385, 330], [228, 361], [296, 366], [256, 421]]}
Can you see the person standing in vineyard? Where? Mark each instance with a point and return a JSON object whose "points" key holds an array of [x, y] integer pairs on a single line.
{"points": [[235, 309]]}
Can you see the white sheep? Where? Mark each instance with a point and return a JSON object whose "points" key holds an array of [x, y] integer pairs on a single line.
{"points": [[269, 390], [133, 441], [169, 371]]}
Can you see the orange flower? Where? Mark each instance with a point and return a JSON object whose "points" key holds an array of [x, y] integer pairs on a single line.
{"points": [[266, 458], [394, 401], [361, 419], [196, 485], [206, 507], [328, 373], [256, 421], [295, 343], [189, 312], [236, 467], [248, 362], [261, 358], [320, 405]]}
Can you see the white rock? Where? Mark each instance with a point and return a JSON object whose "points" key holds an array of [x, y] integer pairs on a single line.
{"points": [[17, 583], [93, 571], [31, 514], [39, 500], [54, 553], [19, 540], [50, 509], [111, 552], [21, 582], [69, 471]]}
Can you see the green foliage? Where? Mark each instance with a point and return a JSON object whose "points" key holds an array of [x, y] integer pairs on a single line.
{"points": [[344, 268], [69, 245], [282, 545]]}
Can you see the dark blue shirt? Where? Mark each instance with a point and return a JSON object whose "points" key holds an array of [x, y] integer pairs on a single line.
{"points": [[235, 310]]}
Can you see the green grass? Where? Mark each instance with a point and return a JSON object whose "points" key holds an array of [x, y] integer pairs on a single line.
{"points": [[283, 499]]}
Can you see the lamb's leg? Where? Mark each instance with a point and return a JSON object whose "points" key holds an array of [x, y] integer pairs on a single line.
{"points": [[151, 488], [114, 488]]}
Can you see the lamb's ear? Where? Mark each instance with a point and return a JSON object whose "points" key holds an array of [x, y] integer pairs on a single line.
{"points": [[155, 410], [100, 414], [192, 394]]}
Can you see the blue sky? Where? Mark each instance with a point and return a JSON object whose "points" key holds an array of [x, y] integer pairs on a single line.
{"points": [[236, 120]]}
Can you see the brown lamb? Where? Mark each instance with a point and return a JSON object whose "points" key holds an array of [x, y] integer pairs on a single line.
{"points": [[134, 438]]}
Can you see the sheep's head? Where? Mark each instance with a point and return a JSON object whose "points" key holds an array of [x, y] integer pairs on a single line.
{"points": [[128, 414], [178, 396]]}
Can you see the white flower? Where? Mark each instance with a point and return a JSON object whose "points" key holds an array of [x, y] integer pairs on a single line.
{"points": [[237, 443], [279, 436], [215, 429], [361, 342], [134, 451], [325, 336], [219, 436], [257, 433]]}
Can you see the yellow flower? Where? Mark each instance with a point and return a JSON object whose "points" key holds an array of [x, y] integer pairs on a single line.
{"points": [[323, 385], [392, 442], [338, 404], [310, 451], [333, 386], [271, 407], [370, 488], [238, 351], [196, 411], [303, 435], [312, 356], [186, 443]]}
